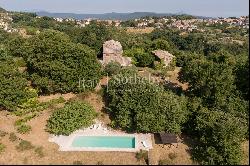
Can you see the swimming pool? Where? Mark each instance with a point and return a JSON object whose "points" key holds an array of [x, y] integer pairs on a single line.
{"points": [[104, 142]]}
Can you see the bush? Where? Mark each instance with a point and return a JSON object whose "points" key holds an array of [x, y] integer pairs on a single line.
{"points": [[77, 163], [2, 147], [72, 117], [142, 155], [24, 145], [142, 58], [160, 44], [39, 151], [25, 161], [100, 163], [112, 68], [165, 162], [13, 137], [172, 156], [135, 104], [24, 129], [3, 133]]}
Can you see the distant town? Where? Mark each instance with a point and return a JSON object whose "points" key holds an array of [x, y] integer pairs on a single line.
{"points": [[182, 22]]}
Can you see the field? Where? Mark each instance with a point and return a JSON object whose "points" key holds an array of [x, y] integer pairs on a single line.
{"points": [[140, 30]]}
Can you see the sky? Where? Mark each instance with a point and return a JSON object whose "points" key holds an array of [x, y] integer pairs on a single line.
{"points": [[212, 8]]}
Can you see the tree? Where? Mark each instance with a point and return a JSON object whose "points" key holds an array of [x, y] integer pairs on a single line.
{"points": [[94, 35], [209, 80], [160, 44], [14, 89], [2, 10], [113, 68], [141, 58], [72, 117], [15, 47], [242, 79], [220, 136], [136, 104], [3, 36], [57, 65]]}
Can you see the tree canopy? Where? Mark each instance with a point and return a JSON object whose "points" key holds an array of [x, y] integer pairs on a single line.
{"points": [[14, 89], [55, 64], [139, 105]]}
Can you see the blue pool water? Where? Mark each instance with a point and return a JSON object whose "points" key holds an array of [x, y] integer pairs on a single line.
{"points": [[104, 142]]}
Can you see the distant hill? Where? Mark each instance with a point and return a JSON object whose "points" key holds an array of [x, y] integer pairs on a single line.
{"points": [[2, 10], [110, 16]]}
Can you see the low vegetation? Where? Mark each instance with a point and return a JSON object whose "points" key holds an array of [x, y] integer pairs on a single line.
{"points": [[2, 148], [142, 156], [112, 68], [165, 162], [77, 163], [13, 137], [3, 133], [39, 151], [73, 116], [24, 129], [24, 145]]}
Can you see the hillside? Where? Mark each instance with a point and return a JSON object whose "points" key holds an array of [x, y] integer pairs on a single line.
{"points": [[108, 16], [112, 16], [2, 10]]}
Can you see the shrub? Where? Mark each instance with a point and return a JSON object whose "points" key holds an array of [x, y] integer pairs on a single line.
{"points": [[142, 58], [160, 44], [172, 156], [112, 68], [77, 163], [3, 133], [25, 161], [165, 162], [13, 137], [142, 155], [73, 116], [2, 147], [39, 151], [100, 163], [24, 145], [24, 129], [18, 122]]}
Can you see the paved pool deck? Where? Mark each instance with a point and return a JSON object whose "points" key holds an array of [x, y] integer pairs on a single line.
{"points": [[99, 129]]}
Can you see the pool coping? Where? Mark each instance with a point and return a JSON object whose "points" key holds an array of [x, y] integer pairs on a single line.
{"points": [[65, 142], [69, 146]]}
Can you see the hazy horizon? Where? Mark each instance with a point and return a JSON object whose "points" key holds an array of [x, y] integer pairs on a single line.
{"points": [[211, 8]]}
